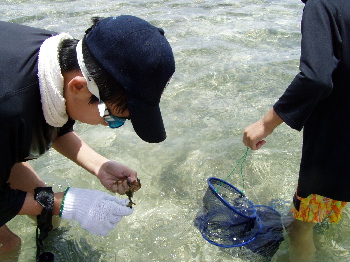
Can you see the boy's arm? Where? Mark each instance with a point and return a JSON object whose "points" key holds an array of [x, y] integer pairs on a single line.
{"points": [[96, 211], [33, 208], [108, 172]]}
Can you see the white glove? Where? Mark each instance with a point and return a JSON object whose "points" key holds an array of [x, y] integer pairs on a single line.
{"points": [[96, 211]]}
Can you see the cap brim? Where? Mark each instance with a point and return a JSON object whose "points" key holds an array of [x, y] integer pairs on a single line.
{"points": [[146, 120]]}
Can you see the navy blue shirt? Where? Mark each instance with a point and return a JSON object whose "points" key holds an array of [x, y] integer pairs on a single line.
{"points": [[24, 134], [317, 100]]}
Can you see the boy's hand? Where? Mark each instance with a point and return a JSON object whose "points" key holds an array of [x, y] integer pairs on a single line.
{"points": [[255, 133], [115, 177], [96, 211]]}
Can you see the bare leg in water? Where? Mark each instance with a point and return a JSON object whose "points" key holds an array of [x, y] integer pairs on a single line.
{"points": [[22, 177], [302, 247]]}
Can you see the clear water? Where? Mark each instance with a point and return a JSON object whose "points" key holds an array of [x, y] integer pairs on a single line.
{"points": [[234, 59]]}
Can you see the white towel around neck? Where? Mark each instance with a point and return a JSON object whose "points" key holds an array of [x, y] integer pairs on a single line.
{"points": [[51, 81]]}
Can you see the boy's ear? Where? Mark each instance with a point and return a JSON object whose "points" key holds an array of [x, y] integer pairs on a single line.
{"points": [[77, 85]]}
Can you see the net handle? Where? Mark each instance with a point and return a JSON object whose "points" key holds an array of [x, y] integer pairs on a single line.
{"points": [[240, 164]]}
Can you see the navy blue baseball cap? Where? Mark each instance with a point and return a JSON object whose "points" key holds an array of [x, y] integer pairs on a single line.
{"points": [[138, 56]]}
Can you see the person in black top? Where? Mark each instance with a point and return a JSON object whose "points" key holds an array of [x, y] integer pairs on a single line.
{"points": [[118, 71], [317, 102]]}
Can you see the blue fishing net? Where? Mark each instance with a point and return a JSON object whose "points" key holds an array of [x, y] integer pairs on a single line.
{"points": [[228, 219]]}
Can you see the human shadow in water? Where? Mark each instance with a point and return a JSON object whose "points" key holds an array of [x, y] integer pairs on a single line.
{"points": [[67, 248]]}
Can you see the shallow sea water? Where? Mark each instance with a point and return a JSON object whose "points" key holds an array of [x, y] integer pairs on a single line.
{"points": [[234, 59]]}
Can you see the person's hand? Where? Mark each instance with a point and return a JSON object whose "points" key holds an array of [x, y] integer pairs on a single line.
{"points": [[96, 211], [115, 177], [254, 135]]}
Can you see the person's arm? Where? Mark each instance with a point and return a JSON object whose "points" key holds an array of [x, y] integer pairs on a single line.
{"points": [[73, 147], [33, 208], [321, 52], [108, 172], [255, 133], [96, 211]]}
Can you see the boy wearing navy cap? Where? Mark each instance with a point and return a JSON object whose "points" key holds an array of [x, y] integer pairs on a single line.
{"points": [[118, 71]]}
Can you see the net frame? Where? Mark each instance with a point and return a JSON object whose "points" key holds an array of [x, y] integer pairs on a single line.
{"points": [[248, 219], [225, 202]]}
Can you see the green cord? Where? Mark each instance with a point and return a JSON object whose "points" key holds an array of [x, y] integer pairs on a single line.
{"points": [[240, 163]]}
